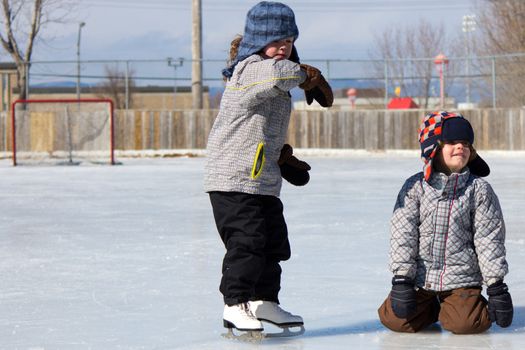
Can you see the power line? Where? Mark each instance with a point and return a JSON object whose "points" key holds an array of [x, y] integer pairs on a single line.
{"points": [[298, 6]]}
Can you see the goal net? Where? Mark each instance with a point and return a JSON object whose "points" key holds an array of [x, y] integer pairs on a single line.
{"points": [[68, 132]]}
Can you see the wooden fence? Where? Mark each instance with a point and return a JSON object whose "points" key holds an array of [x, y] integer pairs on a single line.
{"points": [[495, 129]]}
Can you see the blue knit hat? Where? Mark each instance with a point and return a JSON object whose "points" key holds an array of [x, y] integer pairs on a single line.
{"points": [[438, 127], [266, 22]]}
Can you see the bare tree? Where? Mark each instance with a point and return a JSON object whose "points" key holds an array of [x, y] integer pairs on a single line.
{"points": [[502, 24], [114, 86], [21, 22], [407, 53]]}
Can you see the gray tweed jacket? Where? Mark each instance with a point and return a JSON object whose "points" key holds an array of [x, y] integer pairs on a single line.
{"points": [[448, 233], [245, 141]]}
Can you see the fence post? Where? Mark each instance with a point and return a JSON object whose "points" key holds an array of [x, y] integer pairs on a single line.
{"points": [[127, 87], [493, 81], [386, 83]]}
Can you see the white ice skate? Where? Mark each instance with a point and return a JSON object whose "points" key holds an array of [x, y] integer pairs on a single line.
{"points": [[241, 318], [271, 312]]}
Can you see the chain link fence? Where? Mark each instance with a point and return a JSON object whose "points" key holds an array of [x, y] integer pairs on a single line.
{"points": [[482, 81]]}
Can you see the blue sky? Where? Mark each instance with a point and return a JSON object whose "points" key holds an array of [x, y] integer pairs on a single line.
{"points": [[134, 29]]}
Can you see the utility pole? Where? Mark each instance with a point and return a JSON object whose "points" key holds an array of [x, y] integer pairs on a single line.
{"points": [[196, 55], [80, 25]]}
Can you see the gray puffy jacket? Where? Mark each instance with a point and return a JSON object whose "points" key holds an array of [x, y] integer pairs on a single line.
{"points": [[245, 141], [448, 233]]}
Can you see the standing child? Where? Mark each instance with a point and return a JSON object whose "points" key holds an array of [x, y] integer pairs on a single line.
{"points": [[247, 158], [447, 238]]}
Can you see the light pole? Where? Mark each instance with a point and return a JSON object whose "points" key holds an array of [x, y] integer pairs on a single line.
{"points": [[172, 63], [80, 25], [441, 61], [469, 25]]}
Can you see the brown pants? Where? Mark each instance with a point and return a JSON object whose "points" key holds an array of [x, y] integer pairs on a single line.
{"points": [[461, 311]]}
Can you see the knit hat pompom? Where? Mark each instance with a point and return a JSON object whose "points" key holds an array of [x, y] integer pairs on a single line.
{"points": [[438, 127], [266, 22]]}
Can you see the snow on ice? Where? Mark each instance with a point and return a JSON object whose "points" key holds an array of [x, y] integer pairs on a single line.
{"points": [[127, 257]]}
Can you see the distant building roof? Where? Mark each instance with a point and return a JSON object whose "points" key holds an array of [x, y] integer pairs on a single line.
{"points": [[402, 103], [7, 66]]}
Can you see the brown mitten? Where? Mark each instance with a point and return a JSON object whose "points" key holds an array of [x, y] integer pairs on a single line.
{"points": [[312, 77], [298, 164], [286, 153], [293, 170], [322, 93], [316, 87], [287, 157]]}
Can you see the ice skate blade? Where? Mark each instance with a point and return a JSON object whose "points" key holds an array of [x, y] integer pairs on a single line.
{"points": [[286, 332], [247, 336]]}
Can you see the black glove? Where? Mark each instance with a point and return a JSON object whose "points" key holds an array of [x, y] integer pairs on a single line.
{"points": [[403, 296], [293, 170], [500, 304]]}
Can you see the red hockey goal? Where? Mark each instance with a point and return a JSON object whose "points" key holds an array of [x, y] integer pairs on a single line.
{"points": [[62, 131]]}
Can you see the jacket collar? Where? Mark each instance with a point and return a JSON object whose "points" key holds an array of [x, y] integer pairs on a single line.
{"points": [[441, 181]]}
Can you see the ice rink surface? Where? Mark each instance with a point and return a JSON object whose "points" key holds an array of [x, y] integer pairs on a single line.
{"points": [[127, 257]]}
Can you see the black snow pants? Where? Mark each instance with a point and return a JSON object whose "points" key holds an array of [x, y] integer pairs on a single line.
{"points": [[254, 232]]}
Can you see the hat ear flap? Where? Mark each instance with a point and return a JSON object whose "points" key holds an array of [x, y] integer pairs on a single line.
{"points": [[294, 56], [477, 165]]}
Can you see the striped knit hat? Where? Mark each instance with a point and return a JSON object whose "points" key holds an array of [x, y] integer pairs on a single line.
{"points": [[265, 22], [438, 127]]}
